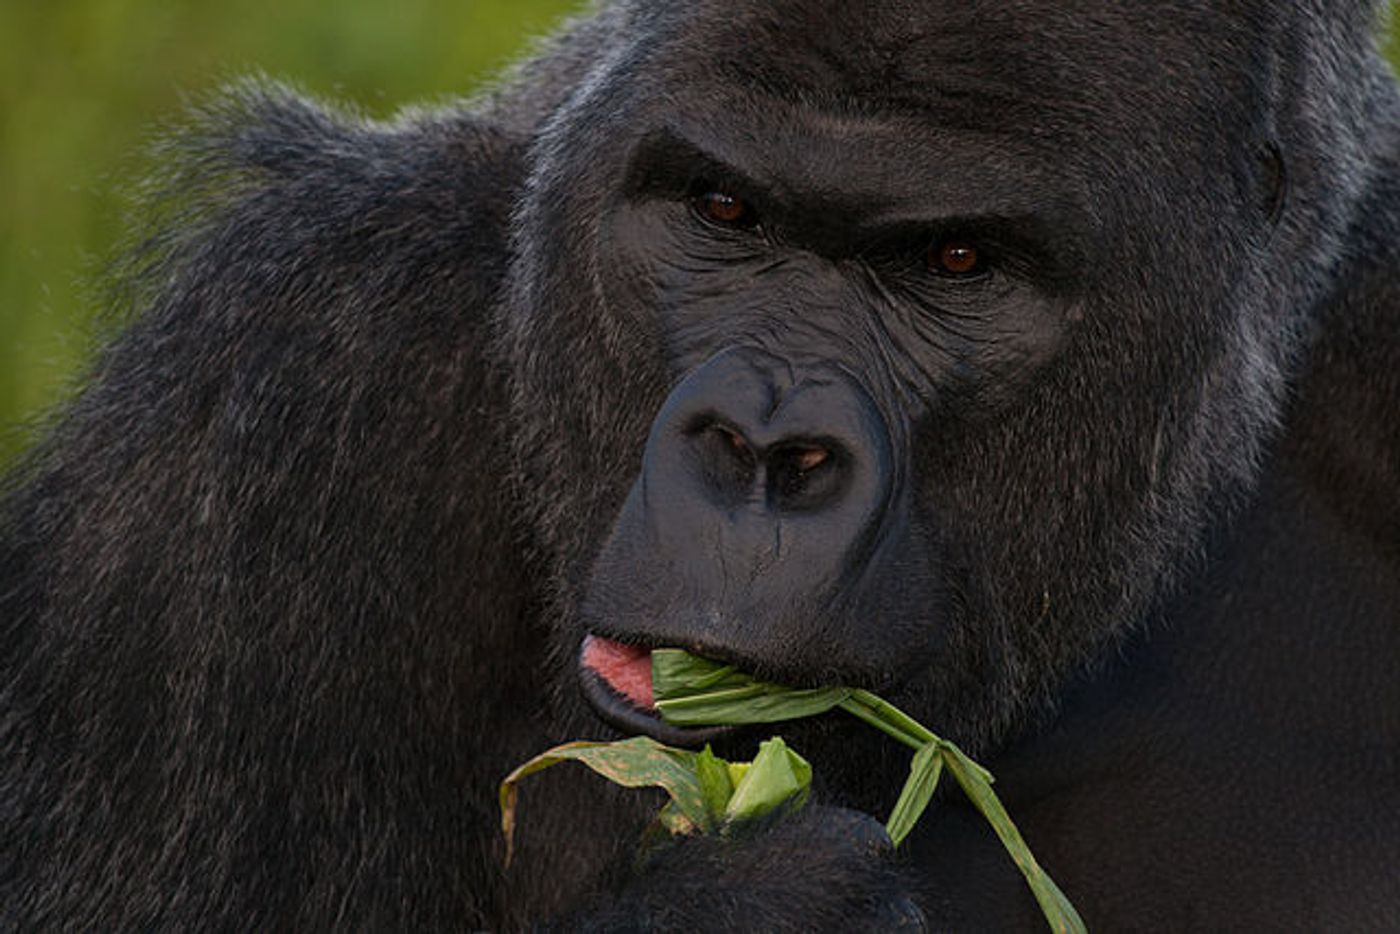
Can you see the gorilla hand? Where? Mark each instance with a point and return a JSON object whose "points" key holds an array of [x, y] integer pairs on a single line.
{"points": [[824, 868]]}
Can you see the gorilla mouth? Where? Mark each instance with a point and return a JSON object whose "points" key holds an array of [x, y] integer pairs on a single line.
{"points": [[625, 668], [616, 680]]}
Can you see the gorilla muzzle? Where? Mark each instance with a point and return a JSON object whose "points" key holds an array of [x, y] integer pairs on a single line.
{"points": [[764, 486]]}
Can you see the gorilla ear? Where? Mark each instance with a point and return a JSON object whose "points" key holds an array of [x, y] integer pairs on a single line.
{"points": [[1273, 181]]}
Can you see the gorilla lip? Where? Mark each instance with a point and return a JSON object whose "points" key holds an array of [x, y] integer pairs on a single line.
{"points": [[616, 681], [625, 668]]}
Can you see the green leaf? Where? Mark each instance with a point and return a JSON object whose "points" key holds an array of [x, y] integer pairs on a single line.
{"points": [[888, 718], [760, 703], [924, 772], [681, 674], [976, 784], [776, 775], [716, 787], [707, 793], [633, 763], [691, 691]]}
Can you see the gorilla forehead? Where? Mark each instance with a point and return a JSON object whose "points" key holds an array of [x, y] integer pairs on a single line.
{"points": [[1028, 66]]}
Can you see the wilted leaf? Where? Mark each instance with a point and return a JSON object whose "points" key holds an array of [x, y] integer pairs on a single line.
{"points": [[634, 763], [671, 820], [704, 788]]}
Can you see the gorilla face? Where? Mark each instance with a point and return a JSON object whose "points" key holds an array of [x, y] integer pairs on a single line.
{"points": [[869, 357]]}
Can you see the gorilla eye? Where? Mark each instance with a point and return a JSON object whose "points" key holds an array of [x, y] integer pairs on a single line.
{"points": [[722, 208], [955, 258]]}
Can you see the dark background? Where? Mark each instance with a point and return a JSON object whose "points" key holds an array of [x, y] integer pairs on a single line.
{"points": [[84, 85]]}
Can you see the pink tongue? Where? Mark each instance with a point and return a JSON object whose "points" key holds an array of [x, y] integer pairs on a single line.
{"points": [[626, 669]]}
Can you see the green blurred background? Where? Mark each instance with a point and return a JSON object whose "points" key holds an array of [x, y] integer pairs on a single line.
{"points": [[84, 83]]}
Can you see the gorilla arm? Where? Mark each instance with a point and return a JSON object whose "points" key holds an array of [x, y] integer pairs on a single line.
{"points": [[248, 582]]}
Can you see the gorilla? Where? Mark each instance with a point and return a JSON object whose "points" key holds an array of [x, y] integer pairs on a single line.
{"points": [[1034, 364]]}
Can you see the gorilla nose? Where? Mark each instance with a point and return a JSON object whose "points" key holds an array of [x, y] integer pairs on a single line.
{"points": [[766, 458], [766, 521], [790, 475]]}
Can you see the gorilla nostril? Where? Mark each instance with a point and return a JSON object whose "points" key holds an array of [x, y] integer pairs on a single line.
{"points": [[806, 459], [724, 457], [725, 440], [736, 440], [803, 476]]}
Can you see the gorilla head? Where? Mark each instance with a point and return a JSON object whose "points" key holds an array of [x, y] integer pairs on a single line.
{"points": [[912, 345]]}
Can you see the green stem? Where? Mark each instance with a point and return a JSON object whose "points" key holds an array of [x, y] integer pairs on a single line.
{"points": [[887, 718], [891, 714], [711, 679], [714, 697]]}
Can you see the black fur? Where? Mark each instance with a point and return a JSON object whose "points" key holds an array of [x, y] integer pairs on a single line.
{"points": [[305, 568]]}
